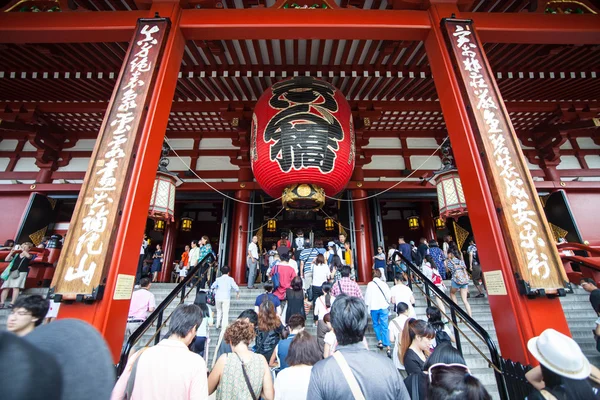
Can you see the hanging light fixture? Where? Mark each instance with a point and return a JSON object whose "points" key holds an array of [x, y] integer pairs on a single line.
{"points": [[451, 198], [162, 202], [271, 225], [440, 223], [159, 225], [413, 223], [186, 224], [329, 224]]}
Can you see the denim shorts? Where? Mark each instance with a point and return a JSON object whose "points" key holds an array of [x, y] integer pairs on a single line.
{"points": [[457, 286]]}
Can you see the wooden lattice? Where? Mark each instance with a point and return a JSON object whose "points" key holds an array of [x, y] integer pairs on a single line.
{"points": [[52, 202], [259, 235], [558, 232], [36, 237], [461, 235], [544, 199]]}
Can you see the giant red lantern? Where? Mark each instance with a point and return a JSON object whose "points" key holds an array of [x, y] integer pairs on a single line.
{"points": [[302, 142]]}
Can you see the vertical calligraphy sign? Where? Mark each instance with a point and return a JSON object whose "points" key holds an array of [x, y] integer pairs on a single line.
{"points": [[526, 233], [86, 255]]}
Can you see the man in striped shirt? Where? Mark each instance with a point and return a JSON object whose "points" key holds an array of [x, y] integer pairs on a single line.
{"points": [[307, 258]]}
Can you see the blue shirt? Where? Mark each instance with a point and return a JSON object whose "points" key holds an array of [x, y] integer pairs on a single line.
{"points": [[282, 351], [259, 299], [406, 251]]}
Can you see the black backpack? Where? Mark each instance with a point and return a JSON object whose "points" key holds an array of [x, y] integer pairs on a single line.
{"points": [[441, 336]]}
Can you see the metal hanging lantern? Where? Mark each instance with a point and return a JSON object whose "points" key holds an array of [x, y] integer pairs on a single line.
{"points": [[451, 198], [413, 223], [329, 224], [162, 202], [159, 225], [271, 225], [186, 224], [440, 223]]}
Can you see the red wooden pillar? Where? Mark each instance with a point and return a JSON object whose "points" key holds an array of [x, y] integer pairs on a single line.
{"points": [[516, 318], [239, 233], [109, 316], [427, 222], [364, 243], [169, 251]]}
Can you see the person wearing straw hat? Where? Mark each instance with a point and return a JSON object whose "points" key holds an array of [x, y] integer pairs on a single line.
{"points": [[564, 370]]}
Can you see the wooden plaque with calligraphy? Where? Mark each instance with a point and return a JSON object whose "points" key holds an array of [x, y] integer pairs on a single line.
{"points": [[86, 255], [525, 229]]}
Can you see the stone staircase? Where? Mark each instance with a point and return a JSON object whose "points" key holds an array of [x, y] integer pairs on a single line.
{"points": [[577, 309]]}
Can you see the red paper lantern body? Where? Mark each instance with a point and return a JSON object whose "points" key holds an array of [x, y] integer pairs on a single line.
{"points": [[302, 133]]}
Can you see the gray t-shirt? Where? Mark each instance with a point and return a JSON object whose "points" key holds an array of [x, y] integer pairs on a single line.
{"points": [[375, 373]]}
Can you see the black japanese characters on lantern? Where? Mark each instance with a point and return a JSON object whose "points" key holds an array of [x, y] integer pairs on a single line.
{"points": [[305, 132]]}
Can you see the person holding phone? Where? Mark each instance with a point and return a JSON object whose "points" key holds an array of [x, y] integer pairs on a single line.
{"points": [[19, 268]]}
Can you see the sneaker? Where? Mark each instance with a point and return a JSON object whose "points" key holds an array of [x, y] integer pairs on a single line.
{"points": [[480, 295], [380, 346], [389, 353]]}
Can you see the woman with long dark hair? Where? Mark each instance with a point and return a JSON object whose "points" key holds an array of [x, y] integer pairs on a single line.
{"points": [[157, 260], [270, 329], [460, 279], [295, 299], [415, 345], [438, 257], [324, 302], [321, 275], [335, 266], [443, 332], [198, 346]]}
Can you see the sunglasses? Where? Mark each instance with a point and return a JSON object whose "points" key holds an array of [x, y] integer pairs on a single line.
{"points": [[441, 366]]}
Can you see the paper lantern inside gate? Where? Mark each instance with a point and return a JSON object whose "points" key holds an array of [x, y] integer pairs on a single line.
{"points": [[302, 142]]}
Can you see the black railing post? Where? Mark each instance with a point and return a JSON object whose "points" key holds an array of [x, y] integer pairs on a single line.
{"points": [[158, 327], [182, 294], [427, 294], [456, 333]]}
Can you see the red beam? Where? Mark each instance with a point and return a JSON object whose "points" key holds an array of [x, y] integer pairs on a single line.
{"points": [[266, 23], [536, 28], [106, 26]]}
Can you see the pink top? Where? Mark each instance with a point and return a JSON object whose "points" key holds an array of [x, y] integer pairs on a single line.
{"points": [[166, 371], [286, 274], [142, 300]]}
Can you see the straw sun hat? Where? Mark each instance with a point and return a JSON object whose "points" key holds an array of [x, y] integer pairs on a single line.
{"points": [[560, 354]]}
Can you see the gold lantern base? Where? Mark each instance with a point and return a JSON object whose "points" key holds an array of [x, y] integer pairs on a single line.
{"points": [[303, 197]]}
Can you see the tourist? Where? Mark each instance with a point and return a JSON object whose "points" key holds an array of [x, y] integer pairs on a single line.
{"points": [[335, 266], [446, 245], [377, 299], [252, 261], [295, 326], [272, 253], [333, 250], [590, 286], [27, 313], [375, 375], [417, 384], [563, 371], [184, 264], [142, 304], [168, 370], [9, 244], [403, 294], [321, 275], [286, 274], [341, 241], [475, 268], [270, 330], [223, 286], [194, 254], [460, 279], [292, 261], [323, 303], [345, 285], [298, 244], [329, 340], [157, 260], [406, 250], [283, 244], [432, 273], [347, 252], [268, 296], [454, 381], [292, 383], [223, 347], [141, 259], [379, 262], [205, 249], [198, 346], [395, 332], [438, 257], [65, 360], [322, 329], [294, 300], [422, 250], [16, 273], [415, 345], [241, 374], [391, 258], [307, 259], [443, 332]]}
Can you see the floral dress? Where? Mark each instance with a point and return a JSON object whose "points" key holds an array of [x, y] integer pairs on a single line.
{"points": [[438, 257], [233, 385]]}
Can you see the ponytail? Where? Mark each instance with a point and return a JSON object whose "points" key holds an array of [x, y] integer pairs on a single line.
{"points": [[412, 329], [328, 300]]}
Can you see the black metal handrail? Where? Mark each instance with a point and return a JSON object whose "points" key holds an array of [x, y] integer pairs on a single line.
{"points": [[158, 314], [455, 310]]}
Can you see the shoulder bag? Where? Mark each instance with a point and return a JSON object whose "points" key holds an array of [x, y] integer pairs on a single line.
{"points": [[340, 286], [383, 294], [349, 376], [414, 390], [247, 378], [131, 379]]}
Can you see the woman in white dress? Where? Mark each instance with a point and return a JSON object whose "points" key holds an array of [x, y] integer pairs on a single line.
{"points": [[431, 272]]}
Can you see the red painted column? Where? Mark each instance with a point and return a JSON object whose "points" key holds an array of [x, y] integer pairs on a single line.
{"points": [[427, 222], [239, 247], [516, 318], [107, 315], [169, 251], [363, 245]]}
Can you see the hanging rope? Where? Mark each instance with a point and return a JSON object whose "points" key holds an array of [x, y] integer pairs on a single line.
{"points": [[339, 223], [397, 183], [265, 224], [214, 188]]}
